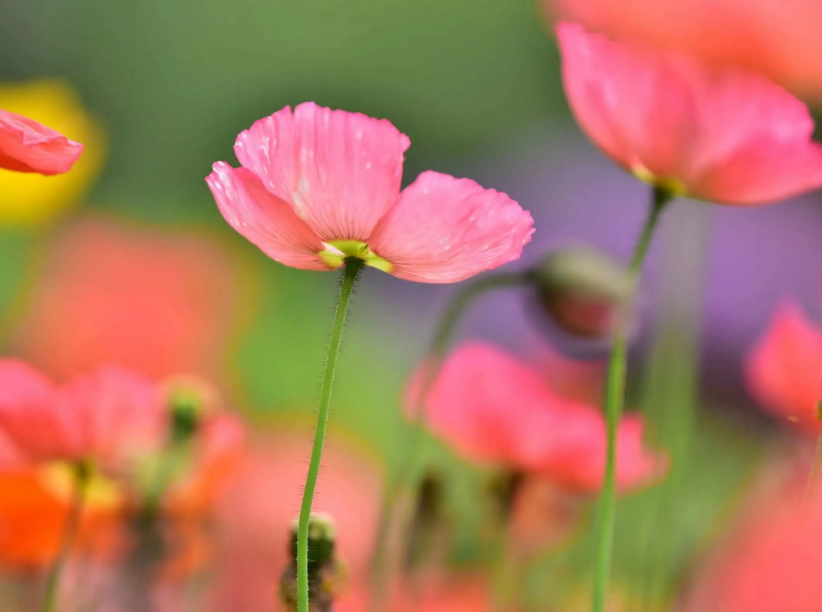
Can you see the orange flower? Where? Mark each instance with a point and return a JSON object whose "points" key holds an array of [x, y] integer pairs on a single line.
{"points": [[34, 510]]}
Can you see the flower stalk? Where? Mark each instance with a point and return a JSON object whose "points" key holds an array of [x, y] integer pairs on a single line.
{"points": [[81, 472], [613, 404], [351, 270]]}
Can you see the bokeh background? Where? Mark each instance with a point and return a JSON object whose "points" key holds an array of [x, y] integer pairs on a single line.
{"points": [[129, 260]]}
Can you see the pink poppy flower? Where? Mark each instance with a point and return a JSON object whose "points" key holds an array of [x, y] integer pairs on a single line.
{"points": [[107, 416], [29, 146], [776, 38], [159, 303], [770, 562], [784, 369], [317, 185], [712, 133], [492, 408]]}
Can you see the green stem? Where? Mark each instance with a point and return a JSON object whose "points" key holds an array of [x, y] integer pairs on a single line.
{"points": [[669, 399], [614, 400], [352, 268], [443, 335], [81, 474]]}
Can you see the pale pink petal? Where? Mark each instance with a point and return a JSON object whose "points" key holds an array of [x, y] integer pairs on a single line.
{"points": [[631, 103], [118, 414], [444, 230], [784, 368], [339, 171], [266, 220], [489, 406], [29, 146]]}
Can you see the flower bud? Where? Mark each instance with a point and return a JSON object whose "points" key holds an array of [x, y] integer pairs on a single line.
{"points": [[324, 572], [585, 292], [187, 398], [430, 525]]}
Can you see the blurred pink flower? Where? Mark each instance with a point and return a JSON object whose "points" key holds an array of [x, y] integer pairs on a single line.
{"points": [[155, 302], [784, 368], [29, 146], [773, 37], [317, 185], [106, 416], [713, 133], [492, 408], [261, 501], [771, 561]]}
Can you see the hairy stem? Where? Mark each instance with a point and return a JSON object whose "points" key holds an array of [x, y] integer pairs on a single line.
{"points": [[352, 268]]}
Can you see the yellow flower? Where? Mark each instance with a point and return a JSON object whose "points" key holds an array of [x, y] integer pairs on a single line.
{"points": [[32, 199]]}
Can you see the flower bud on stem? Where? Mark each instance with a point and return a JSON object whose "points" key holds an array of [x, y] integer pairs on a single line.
{"points": [[324, 572]]}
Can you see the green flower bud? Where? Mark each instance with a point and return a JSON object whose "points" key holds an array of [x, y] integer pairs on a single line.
{"points": [[586, 292]]}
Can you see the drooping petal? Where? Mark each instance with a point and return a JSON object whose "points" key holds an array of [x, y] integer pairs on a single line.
{"points": [[29, 146], [784, 368], [444, 230], [266, 220], [339, 171]]}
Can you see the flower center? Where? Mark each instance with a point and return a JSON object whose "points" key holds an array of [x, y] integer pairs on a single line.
{"points": [[337, 251], [100, 492], [673, 186]]}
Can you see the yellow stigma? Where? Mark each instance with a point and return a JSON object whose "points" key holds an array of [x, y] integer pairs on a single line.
{"points": [[29, 199], [336, 251]]}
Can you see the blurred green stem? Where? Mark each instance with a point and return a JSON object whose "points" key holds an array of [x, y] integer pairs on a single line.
{"points": [[407, 474], [669, 398], [352, 267], [614, 400], [81, 472]]}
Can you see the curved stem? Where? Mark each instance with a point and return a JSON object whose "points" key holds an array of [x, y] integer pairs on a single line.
{"points": [[443, 335], [80, 476], [352, 268], [614, 400]]}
